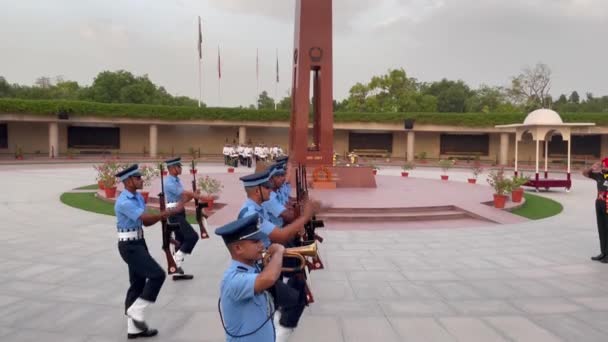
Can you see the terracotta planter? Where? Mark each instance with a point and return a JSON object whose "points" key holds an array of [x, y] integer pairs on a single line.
{"points": [[19, 157], [230, 170], [444, 177], [210, 201], [499, 201], [193, 172], [145, 195], [517, 195], [165, 173], [375, 172], [110, 192], [405, 174], [472, 180]]}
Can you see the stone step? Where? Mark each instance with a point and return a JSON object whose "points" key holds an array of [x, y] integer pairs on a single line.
{"points": [[394, 216], [391, 210]]}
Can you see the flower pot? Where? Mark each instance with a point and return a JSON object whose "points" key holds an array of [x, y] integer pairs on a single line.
{"points": [[100, 185], [499, 201], [444, 177], [405, 174], [193, 172], [110, 192], [230, 170], [165, 173], [375, 171], [145, 195], [517, 195], [210, 201], [19, 157], [472, 180]]}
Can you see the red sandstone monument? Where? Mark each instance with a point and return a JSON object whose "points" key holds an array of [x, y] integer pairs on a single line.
{"points": [[313, 76]]}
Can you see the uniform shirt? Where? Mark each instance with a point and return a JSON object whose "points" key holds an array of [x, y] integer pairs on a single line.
{"points": [[244, 310], [247, 152], [128, 208], [226, 151], [602, 183], [285, 191], [274, 208], [173, 189], [266, 226]]}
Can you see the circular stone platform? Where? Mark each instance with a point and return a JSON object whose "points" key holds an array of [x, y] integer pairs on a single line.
{"points": [[396, 203]]}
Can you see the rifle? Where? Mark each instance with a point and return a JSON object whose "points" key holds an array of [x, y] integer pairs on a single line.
{"points": [[201, 217], [166, 231], [310, 227]]}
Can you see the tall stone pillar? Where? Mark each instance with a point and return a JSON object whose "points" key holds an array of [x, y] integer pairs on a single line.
{"points": [[242, 135], [153, 141], [504, 149], [53, 139], [411, 137]]}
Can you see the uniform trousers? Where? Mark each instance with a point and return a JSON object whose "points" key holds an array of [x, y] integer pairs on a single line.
{"points": [[185, 234], [145, 274]]}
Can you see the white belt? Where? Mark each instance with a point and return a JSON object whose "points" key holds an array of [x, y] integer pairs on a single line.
{"points": [[128, 236]]}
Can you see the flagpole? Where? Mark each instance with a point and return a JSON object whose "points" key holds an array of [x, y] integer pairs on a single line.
{"points": [[276, 84], [219, 77], [257, 78], [199, 61]]}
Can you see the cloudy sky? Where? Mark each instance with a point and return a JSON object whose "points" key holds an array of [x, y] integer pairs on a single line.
{"points": [[478, 41]]}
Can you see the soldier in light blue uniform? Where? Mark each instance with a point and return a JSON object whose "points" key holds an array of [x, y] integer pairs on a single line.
{"points": [[258, 188], [279, 214], [285, 189], [145, 275], [246, 309], [185, 235]]}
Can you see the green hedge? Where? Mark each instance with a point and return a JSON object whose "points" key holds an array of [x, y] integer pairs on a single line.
{"points": [[136, 111]]}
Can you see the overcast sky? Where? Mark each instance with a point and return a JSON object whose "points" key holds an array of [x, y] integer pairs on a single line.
{"points": [[478, 41]]}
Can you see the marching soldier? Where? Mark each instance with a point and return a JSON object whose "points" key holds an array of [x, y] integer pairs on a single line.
{"points": [[246, 309], [277, 211], [145, 275], [599, 173], [285, 189], [176, 195], [291, 300]]}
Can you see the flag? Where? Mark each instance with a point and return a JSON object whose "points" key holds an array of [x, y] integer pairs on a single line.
{"points": [[277, 65], [219, 63], [200, 40]]}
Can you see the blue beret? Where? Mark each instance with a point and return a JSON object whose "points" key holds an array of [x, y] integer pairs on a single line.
{"points": [[255, 179], [276, 170], [246, 228], [174, 161], [131, 171]]}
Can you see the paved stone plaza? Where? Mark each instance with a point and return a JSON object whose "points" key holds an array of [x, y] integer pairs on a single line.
{"points": [[62, 279]]}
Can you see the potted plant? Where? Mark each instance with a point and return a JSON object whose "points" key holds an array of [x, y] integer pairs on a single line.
{"points": [[71, 153], [375, 169], [517, 192], [476, 170], [210, 188], [165, 172], [407, 167], [148, 173], [445, 165], [18, 152], [106, 174], [501, 185], [422, 157]]}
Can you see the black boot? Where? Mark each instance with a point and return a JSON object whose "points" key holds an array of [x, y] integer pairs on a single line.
{"points": [[145, 333], [598, 257], [604, 260]]}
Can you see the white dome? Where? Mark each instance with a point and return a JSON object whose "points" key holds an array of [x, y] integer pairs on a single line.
{"points": [[543, 117]]}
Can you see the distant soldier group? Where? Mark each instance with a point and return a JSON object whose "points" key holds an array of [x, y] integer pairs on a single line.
{"points": [[243, 154]]}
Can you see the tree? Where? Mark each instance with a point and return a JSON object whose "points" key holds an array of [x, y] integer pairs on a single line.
{"points": [[284, 104], [43, 82], [451, 96], [265, 101], [5, 88], [531, 87], [574, 98]]}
